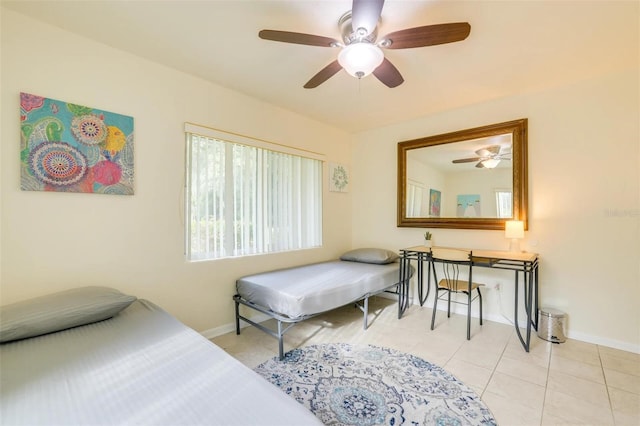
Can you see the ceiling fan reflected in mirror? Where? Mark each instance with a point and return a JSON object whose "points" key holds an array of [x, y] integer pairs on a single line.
{"points": [[361, 53], [487, 158]]}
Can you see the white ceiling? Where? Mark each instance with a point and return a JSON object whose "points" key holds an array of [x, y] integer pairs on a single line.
{"points": [[514, 47]]}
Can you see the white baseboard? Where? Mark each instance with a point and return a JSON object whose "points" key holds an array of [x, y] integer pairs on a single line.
{"points": [[228, 328], [604, 341], [583, 337], [575, 335]]}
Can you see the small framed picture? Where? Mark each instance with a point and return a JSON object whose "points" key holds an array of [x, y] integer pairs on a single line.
{"points": [[338, 178], [435, 198]]}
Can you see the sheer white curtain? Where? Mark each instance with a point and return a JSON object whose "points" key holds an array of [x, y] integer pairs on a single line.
{"points": [[244, 200]]}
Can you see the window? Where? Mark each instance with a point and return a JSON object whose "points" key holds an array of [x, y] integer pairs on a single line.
{"points": [[245, 196], [414, 198], [504, 203]]}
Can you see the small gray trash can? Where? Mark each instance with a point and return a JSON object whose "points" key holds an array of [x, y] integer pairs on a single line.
{"points": [[551, 325]]}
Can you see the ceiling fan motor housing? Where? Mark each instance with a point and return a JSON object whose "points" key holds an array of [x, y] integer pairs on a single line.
{"points": [[350, 35]]}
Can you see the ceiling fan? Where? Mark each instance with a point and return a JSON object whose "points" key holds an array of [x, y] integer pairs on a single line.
{"points": [[361, 54], [487, 158]]}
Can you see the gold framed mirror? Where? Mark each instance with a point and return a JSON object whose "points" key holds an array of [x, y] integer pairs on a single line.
{"points": [[468, 179]]}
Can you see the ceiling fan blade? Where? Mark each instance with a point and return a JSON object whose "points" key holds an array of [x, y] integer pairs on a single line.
{"points": [[325, 74], [297, 38], [365, 14], [428, 35], [466, 160], [388, 74], [480, 165]]}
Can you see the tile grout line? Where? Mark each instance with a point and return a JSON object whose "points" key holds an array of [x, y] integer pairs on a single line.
{"points": [[495, 367], [606, 386], [546, 384]]}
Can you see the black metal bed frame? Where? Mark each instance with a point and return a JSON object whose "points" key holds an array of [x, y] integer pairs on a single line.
{"points": [[285, 323]]}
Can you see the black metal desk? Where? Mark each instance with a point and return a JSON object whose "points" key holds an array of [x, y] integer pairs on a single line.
{"points": [[519, 262]]}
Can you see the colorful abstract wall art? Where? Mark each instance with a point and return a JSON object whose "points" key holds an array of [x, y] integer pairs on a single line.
{"points": [[435, 198], [66, 147]]}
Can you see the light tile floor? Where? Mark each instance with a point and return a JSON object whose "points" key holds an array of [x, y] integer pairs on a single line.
{"points": [[573, 383]]}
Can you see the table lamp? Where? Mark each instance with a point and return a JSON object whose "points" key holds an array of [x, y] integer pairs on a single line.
{"points": [[514, 230]]}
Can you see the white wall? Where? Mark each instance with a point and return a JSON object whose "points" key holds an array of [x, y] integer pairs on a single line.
{"points": [[55, 241], [429, 178], [584, 200], [482, 184]]}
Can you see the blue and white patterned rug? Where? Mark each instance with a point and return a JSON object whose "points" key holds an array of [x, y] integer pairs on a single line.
{"points": [[343, 384]]}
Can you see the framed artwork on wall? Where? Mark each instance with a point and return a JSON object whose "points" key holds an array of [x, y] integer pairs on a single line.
{"points": [[469, 206], [66, 147], [435, 198], [338, 178]]}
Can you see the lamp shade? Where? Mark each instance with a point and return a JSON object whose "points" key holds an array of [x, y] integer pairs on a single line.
{"points": [[514, 229], [360, 59]]}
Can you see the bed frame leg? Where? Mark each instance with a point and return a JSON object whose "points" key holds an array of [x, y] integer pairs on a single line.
{"points": [[366, 312], [280, 341], [237, 317]]}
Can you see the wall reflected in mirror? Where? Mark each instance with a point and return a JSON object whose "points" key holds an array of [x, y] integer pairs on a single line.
{"points": [[463, 179]]}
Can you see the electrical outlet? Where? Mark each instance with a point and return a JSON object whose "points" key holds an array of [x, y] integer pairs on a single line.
{"points": [[497, 286]]}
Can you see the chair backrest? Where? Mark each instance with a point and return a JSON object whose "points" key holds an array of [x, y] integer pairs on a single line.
{"points": [[451, 260]]}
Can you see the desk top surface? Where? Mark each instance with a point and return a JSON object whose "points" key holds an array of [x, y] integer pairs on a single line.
{"points": [[490, 254]]}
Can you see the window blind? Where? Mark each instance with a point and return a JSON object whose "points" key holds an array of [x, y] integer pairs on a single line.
{"points": [[244, 199]]}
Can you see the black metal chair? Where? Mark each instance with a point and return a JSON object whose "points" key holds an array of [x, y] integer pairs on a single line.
{"points": [[453, 260]]}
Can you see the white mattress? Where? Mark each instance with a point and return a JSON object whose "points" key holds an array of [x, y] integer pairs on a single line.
{"points": [[310, 289], [140, 367]]}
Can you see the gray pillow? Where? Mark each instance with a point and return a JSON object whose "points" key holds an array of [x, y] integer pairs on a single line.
{"points": [[59, 311], [370, 255]]}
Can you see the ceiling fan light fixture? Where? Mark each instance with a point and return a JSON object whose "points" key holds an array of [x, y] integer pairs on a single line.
{"points": [[491, 163], [360, 55], [360, 59]]}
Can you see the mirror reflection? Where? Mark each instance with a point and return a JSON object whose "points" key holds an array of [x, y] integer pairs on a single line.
{"points": [[469, 179], [462, 179]]}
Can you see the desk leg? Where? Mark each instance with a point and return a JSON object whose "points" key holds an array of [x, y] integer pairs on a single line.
{"points": [[535, 293], [528, 286], [515, 318], [430, 266], [403, 285], [422, 258], [420, 280], [526, 293]]}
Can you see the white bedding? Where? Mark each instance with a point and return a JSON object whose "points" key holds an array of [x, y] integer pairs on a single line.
{"points": [[140, 367], [310, 289]]}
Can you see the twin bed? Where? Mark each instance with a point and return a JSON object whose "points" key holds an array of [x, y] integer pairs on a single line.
{"points": [[141, 366], [96, 356], [295, 294]]}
